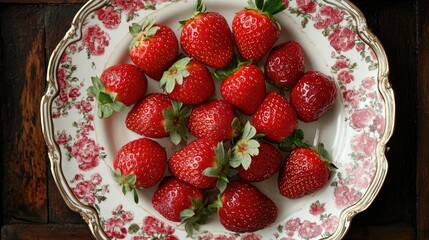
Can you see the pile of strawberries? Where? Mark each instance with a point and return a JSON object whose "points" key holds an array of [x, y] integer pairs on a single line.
{"points": [[213, 173]]}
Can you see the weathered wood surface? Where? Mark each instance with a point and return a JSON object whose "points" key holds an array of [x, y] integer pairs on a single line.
{"points": [[422, 166], [32, 207]]}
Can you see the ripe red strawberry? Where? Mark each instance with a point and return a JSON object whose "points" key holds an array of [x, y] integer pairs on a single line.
{"points": [[255, 30], [243, 208], [305, 171], [139, 164], [206, 36], [146, 116], [188, 81], [243, 87], [178, 201], [119, 86], [189, 164], [262, 166], [173, 196], [154, 47], [313, 95], [156, 116], [215, 120], [285, 64], [275, 118]]}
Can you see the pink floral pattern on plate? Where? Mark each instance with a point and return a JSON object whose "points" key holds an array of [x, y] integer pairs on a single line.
{"points": [[89, 192], [151, 228], [353, 65]]}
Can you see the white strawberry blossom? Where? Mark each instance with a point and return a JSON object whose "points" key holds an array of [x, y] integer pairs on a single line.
{"points": [[245, 148]]}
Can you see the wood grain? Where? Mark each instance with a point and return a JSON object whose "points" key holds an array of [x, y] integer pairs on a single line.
{"points": [[397, 32], [422, 121], [46, 232], [24, 152], [393, 232]]}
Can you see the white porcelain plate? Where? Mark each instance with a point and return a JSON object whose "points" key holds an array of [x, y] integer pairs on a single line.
{"points": [[335, 40]]}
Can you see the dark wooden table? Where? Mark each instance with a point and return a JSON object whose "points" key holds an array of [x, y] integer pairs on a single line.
{"points": [[32, 207]]}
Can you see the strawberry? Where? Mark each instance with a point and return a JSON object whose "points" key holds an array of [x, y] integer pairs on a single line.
{"points": [[201, 163], [206, 36], [188, 81], [243, 208], [303, 173], [306, 169], [215, 120], [285, 64], [119, 86], [173, 196], [262, 166], [178, 201], [139, 164], [255, 30], [154, 47], [275, 118], [156, 116], [243, 86], [313, 95]]}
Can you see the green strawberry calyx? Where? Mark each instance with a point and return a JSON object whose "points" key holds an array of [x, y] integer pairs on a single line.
{"points": [[142, 32], [127, 182], [200, 8], [175, 75], [222, 168], [107, 101], [296, 139], [235, 64], [246, 147], [176, 119], [324, 154], [216, 204], [194, 216], [268, 8]]}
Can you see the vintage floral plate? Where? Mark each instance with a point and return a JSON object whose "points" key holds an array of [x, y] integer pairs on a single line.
{"points": [[336, 41]]}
